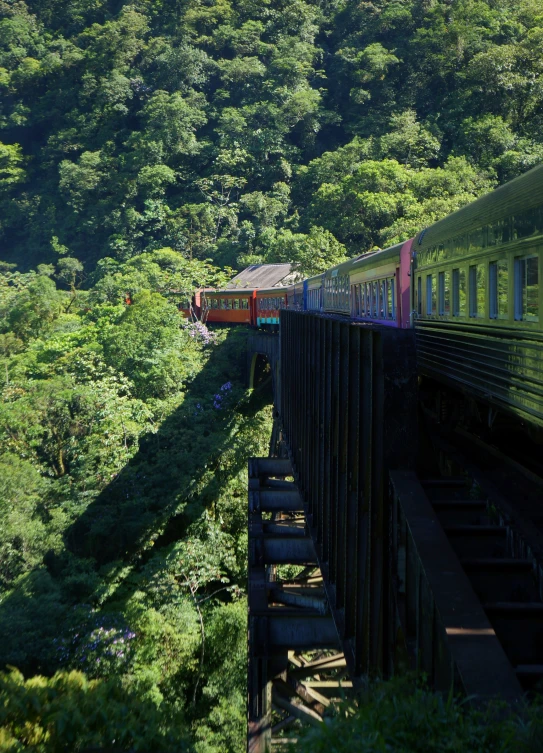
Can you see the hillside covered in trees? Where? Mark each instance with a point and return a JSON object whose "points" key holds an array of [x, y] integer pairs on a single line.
{"points": [[233, 129], [156, 146]]}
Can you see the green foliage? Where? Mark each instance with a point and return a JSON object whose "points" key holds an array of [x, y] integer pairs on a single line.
{"points": [[124, 438], [400, 716], [67, 711], [201, 126], [34, 309]]}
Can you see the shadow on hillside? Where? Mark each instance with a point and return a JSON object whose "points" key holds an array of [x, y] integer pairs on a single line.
{"points": [[153, 499]]}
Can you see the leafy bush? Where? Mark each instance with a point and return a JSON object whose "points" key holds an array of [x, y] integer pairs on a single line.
{"points": [[401, 716], [69, 712]]}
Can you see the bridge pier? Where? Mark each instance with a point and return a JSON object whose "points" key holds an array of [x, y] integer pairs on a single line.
{"points": [[288, 616]]}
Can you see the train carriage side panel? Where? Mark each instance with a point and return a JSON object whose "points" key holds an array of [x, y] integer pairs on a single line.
{"points": [[314, 293], [229, 306], [405, 276], [367, 288], [269, 302], [479, 299]]}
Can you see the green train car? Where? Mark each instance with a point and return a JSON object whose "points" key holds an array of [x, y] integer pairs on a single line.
{"points": [[478, 301]]}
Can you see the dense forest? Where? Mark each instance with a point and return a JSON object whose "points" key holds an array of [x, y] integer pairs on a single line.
{"points": [[154, 147], [234, 130], [125, 433]]}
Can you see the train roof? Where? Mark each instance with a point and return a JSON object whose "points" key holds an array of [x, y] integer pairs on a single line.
{"points": [[517, 196], [262, 276], [372, 258], [272, 291], [232, 293]]}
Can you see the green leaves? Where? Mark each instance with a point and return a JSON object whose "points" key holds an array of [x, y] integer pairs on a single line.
{"points": [[35, 308], [69, 711], [403, 715], [172, 120], [11, 172]]}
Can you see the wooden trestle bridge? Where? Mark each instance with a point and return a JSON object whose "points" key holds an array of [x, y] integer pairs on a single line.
{"points": [[353, 571]]}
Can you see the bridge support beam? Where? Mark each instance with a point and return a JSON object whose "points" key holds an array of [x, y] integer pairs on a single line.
{"points": [[293, 640]]}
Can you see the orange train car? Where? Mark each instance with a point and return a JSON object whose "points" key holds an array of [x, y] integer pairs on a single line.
{"points": [[228, 306]]}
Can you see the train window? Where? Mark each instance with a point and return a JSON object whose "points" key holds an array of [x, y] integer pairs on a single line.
{"points": [[477, 290], [236, 303], [444, 294], [244, 303], [419, 295], [498, 285], [428, 295], [493, 290], [382, 299], [473, 291], [527, 288], [459, 292], [391, 308], [374, 300]]}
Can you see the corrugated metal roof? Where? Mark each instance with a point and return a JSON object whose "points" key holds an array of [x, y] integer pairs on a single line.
{"points": [[261, 276]]}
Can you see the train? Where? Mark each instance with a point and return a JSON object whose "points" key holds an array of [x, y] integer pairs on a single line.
{"points": [[469, 285]]}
